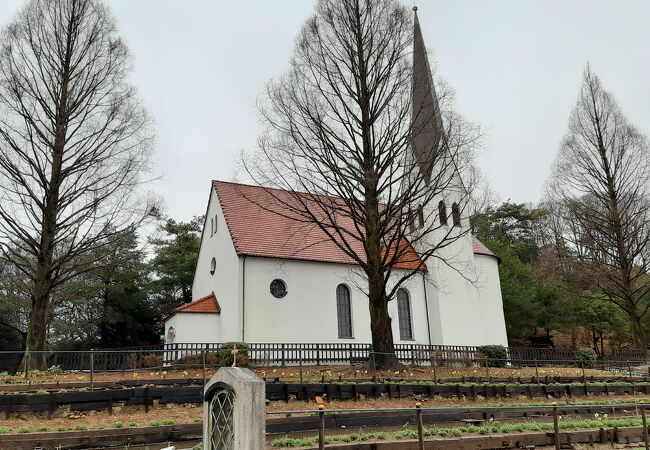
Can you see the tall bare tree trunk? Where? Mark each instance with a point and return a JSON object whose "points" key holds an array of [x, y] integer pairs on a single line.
{"points": [[74, 143]]}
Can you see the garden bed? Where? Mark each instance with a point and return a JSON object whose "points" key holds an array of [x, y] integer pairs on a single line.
{"points": [[78, 400], [330, 373]]}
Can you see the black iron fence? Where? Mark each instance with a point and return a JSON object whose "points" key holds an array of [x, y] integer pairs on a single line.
{"points": [[293, 354]]}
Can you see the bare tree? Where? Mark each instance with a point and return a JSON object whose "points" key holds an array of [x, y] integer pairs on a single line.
{"points": [[74, 144], [600, 186], [368, 147]]}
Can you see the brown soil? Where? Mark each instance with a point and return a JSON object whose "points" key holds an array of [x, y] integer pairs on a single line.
{"points": [[128, 416], [439, 402], [315, 374], [192, 413]]}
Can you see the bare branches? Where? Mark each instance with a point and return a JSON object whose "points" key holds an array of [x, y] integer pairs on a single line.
{"points": [[341, 130], [74, 140], [600, 183]]}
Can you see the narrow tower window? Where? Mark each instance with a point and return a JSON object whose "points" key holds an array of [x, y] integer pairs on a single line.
{"points": [[421, 217], [344, 311], [455, 214], [442, 212]]}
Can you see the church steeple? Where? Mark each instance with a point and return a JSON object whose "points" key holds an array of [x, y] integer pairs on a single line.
{"points": [[426, 121]]}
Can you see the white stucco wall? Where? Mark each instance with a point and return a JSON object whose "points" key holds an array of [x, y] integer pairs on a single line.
{"points": [[308, 312], [226, 280], [490, 301], [193, 327]]}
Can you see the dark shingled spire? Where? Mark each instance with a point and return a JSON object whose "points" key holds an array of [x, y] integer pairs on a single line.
{"points": [[425, 115]]}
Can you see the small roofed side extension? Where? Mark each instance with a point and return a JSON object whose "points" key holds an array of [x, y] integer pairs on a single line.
{"points": [[207, 304]]}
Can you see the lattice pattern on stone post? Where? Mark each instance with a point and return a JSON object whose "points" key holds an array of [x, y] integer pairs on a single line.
{"points": [[221, 424]]}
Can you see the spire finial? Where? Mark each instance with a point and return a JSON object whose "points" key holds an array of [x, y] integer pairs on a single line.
{"points": [[415, 8]]}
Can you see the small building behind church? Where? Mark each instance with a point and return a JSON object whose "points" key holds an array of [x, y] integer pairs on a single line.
{"points": [[262, 277]]}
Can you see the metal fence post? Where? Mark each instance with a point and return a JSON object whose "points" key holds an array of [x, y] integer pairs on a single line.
{"points": [[300, 364], [418, 412], [433, 364], [645, 428], [321, 427], [203, 357], [92, 369], [26, 363], [556, 429], [487, 369], [374, 366], [584, 376]]}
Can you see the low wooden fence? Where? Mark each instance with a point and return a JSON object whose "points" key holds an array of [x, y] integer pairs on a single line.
{"points": [[145, 396]]}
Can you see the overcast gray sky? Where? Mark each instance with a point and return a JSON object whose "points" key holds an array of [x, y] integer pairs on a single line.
{"points": [[515, 66]]}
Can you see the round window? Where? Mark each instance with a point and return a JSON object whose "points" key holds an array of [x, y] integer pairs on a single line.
{"points": [[278, 288]]}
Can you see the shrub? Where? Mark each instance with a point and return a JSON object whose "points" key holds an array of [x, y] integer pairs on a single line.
{"points": [[586, 356], [55, 370], [225, 355], [496, 355], [211, 359], [154, 423], [43, 429], [150, 361], [5, 430], [26, 429], [133, 424], [168, 422], [118, 425], [81, 427]]}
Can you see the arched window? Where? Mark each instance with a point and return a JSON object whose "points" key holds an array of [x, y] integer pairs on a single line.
{"points": [[455, 214], [404, 315], [421, 217], [211, 227], [213, 266], [442, 212], [216, 219], [344, 311]]}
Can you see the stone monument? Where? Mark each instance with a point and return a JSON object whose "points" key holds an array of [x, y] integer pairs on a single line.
{"points": [[234, 411]]}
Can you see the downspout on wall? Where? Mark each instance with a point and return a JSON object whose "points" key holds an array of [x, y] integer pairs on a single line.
{"points": [[243, 300]]}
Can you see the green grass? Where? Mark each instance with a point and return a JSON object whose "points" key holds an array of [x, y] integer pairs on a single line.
{"points": [[81, 427], [488, 428], [354, 437], [5, 430], [25, 429]]}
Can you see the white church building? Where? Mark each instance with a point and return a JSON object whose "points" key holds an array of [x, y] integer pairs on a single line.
{"points": [[264, 278]]}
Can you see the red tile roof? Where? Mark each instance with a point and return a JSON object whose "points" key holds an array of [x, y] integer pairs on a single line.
{"points": [[207, 304], [479, 248], [260, 226]]}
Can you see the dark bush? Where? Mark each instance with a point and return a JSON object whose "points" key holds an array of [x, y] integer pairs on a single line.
{"points": [[586, 356], [226, 356], [496, 355], [211, 359]]}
